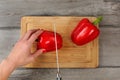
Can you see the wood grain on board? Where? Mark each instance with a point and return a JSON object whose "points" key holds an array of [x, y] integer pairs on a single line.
{"points": [[70, 55]]}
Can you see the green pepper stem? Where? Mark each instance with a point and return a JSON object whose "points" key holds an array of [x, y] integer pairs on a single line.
{"points": [[98, 20]]}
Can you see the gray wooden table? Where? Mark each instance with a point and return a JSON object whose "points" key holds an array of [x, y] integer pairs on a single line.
{"points": [[11, 12]]}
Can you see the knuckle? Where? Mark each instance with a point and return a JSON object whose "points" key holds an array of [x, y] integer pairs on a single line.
{"points": [[25, 45], [35, 35], [30, 31]]}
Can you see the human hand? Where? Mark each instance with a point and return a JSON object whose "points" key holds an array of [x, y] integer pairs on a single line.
{"points": [[21, 53]]}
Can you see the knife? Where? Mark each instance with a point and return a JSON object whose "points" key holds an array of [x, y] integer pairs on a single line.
{"points": [[57, 58]]}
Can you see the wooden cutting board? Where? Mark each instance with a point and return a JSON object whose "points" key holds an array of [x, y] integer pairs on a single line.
{"points": [[70, 55]]}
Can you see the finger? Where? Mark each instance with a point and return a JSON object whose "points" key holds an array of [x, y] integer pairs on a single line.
{"points": [[34, 36], [38, 52], [29, 33], [35, 55]]}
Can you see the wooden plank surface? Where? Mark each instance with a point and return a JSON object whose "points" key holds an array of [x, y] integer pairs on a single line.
{"points": [[70, 55], [11, 11], [110, 47], [67, 74], [7, 39]]}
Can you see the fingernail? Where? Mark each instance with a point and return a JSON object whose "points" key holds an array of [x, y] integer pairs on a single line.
{"points": [[43, 50], [42, 29], [36, 29]]}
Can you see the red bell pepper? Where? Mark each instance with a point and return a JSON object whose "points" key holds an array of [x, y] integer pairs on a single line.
{"points": [[47, 41], [85, 31]]}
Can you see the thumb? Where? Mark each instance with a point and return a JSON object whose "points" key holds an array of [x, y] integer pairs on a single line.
{"points": [[38, 52], [35, 55]]}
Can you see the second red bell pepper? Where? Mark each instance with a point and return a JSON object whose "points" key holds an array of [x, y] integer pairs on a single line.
{"points": [[85, 31]]}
